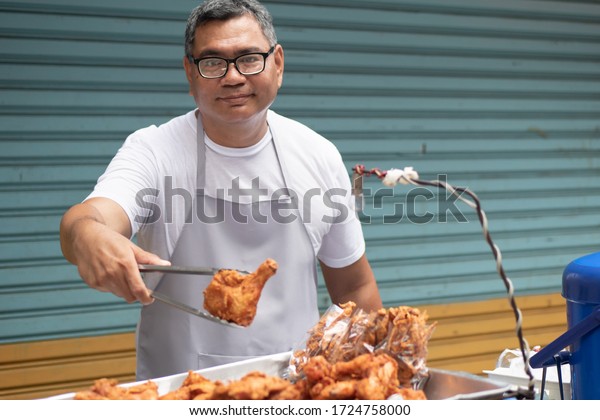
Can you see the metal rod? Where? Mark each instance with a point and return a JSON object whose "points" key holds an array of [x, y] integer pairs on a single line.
{"points": [[560, 381], [543, 383]]}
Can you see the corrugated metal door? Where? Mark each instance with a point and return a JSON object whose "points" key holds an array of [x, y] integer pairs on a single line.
{"points": [[501, 97]]}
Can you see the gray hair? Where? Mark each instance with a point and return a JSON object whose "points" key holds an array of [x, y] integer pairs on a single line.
{"points": [[227, 9]]}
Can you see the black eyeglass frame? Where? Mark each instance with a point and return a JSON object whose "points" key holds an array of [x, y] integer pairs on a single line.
{"points": [[228, 61]]}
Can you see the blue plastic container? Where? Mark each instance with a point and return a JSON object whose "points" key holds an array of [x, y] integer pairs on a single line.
{"points": [[581, 289]]}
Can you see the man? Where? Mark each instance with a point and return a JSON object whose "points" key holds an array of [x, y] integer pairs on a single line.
{"points": [[229, 184]]}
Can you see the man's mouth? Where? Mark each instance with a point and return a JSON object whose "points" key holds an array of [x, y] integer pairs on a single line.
{"points": [[235, 99]]}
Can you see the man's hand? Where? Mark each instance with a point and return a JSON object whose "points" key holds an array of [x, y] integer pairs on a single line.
{"points": [[94, 237]]}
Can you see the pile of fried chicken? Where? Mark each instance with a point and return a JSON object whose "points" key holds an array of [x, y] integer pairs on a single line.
{"points": [[349, 354], [233, 296], [345, 332], [253, 386], [368, 377]]}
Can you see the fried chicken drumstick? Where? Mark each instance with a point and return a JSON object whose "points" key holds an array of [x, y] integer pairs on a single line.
{"points": [[233, 296]]}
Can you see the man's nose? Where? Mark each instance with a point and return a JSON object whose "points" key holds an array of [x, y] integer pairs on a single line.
{"points": [[233, 73]]}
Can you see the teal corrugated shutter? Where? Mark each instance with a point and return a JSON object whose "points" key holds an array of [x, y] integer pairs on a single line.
{"points": [[76, 79], [499, 97]]}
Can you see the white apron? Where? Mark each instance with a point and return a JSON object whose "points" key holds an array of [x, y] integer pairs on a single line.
{"points": [[171, 341]]}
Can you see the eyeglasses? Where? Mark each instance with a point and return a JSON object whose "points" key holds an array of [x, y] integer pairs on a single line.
{"points": [[246, 64]]}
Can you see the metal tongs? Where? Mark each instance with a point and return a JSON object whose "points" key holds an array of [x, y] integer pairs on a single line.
{"points": [[146, 268]]}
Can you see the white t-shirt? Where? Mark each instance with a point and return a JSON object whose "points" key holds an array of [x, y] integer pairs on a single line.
{"points": [[153, 178], [235, 171]]}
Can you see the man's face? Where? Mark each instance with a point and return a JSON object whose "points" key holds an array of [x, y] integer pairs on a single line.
{"points": [[234, 98]]}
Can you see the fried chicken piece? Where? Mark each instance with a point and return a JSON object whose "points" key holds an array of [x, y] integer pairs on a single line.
{"points": [[325, 336], [101, 389], [359, 339], [297, 391], [368, 377], [146, 391], [108, 389], [89, 395], [379, 326], [376, 376], [339, 390], [194, 378], [407, 341], [194, 387], [181, 393], [233, 296], [254, 386], [318, 369], [380, 378], [203, 390], [352, 369], [330, 328]]}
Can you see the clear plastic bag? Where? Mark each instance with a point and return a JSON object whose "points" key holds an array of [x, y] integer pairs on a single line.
{"points": [[406, 341], [345, 332]]}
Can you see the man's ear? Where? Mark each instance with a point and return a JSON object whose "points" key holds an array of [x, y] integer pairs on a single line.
{"points": [[279, 63]]}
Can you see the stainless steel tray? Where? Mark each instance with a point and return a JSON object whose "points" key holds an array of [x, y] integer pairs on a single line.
{"points": [[440, 385], [450, 385]]}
